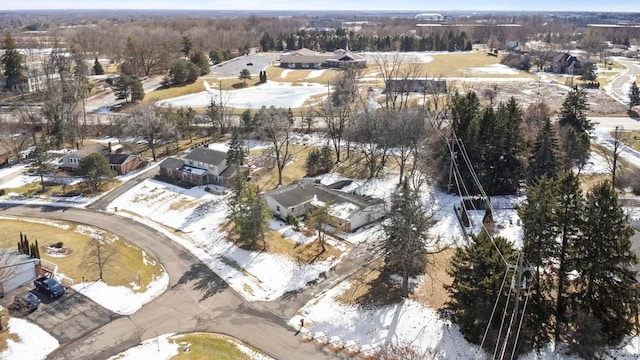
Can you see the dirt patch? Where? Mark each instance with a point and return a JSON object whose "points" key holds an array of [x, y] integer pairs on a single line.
{"points": [[527, 93], [431, 290]]}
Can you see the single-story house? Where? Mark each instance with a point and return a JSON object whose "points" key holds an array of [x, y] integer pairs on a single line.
{"points": [[121, 163], [348, 211], [309, 59], [419, 85], [201, 166], [16, 270]]}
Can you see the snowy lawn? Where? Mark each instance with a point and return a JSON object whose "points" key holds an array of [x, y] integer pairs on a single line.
{"points": [[198, 216], [121, 299], [284, 95], [364, 330], [191, 346], [33, 342]]}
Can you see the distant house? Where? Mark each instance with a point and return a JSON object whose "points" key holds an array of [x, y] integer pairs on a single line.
{"points": [[16, 269], [348, 211], [566, 64], [121, 163], [419, 85], [309, 59], [200, 166]]}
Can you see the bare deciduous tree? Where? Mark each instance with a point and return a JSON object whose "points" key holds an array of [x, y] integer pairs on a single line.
{"points": [[276, 125], [100, 255], [148, 123]]}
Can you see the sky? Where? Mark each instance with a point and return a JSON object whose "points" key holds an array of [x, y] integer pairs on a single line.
{"points": [[408, 5]]}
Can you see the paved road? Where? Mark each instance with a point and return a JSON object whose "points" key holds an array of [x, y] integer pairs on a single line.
{"points": [[626, 123], [196, 300], [234, 66], [620, 85]]}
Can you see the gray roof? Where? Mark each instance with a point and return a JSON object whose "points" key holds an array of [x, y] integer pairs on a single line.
{"points": [[89, 149], [304, 190], [172, 163], [306, 56], [120, 159], [208, 156]]}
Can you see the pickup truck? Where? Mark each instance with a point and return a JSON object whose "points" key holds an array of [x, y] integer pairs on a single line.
{"points": [[48, 286]]}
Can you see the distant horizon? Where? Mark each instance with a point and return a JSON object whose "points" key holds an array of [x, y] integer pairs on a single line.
{"points": [[418, 6]]}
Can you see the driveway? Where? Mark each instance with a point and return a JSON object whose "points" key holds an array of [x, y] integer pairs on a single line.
{"points": [[69, 317], [196, 300]]}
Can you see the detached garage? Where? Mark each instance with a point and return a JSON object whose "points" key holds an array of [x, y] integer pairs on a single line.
{"points": [[15, 270]]}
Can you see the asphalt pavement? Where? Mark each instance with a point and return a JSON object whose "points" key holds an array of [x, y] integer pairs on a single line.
{"points": [[254, 63], [196, 300]]}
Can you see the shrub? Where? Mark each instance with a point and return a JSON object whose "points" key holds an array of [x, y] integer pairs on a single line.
{"points": [[57, 245], [293, 221], [520, 62]]}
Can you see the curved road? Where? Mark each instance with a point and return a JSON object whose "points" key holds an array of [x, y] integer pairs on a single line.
{"points": [[620, 85], [196, 299]]}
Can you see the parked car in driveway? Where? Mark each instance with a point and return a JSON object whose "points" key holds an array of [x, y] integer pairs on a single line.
{"points": [[48, 286], [26, 302]]}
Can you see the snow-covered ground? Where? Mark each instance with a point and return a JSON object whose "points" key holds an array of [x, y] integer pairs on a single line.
{"points": [[8, 171], [278, 94], [34, 343], [120, 299], [604, 138], [165, 347], [315, 73], [198, 215], [358, 329], [423, 57], [494, 69]]}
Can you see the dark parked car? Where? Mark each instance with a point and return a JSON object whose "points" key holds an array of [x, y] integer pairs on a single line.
{"points": [[26, 302], [49, 286]]}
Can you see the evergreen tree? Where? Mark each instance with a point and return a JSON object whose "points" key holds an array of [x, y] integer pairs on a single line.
{"points": [[252, 218], [576, 148], [544, 158], [569, 223], [508, 166], [465, 113], [478, 272], [97, 67], [574, 111], [406, 243], [39, 164], [245, 75], [129, 88], [201, 60], [12, 63], [540, 233], [247, 121], [95, 169], [634, 95], [603, 256], [236, 152]]}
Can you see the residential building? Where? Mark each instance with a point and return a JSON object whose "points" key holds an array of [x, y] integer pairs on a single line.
{"points": [[348, 211], [121, 163], [16, 269], [566, 64], [200, 166]]}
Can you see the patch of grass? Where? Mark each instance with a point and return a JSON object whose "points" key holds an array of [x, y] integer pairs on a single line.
{"points": [[53, 188], [167, 93], [184, 204], [294, 170], [125, 268], [431, 290], [633, 139], [452, 64], [201, 346]]}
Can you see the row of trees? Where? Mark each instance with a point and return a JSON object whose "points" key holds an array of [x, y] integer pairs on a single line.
{"points": [[442, 40], [575, 282], [491, 142]]}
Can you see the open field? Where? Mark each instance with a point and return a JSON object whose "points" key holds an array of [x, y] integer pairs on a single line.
{"points": [[129, 267], [54, 188], [207, 346], [175, 91]]}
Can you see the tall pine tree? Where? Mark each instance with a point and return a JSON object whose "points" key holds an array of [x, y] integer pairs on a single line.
{"points": [[634, 95], [605, 286], [544, 155], [12, 63], [540, 248]]}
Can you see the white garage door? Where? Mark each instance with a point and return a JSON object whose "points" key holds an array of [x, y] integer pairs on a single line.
{"points": [[18, 276]]}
